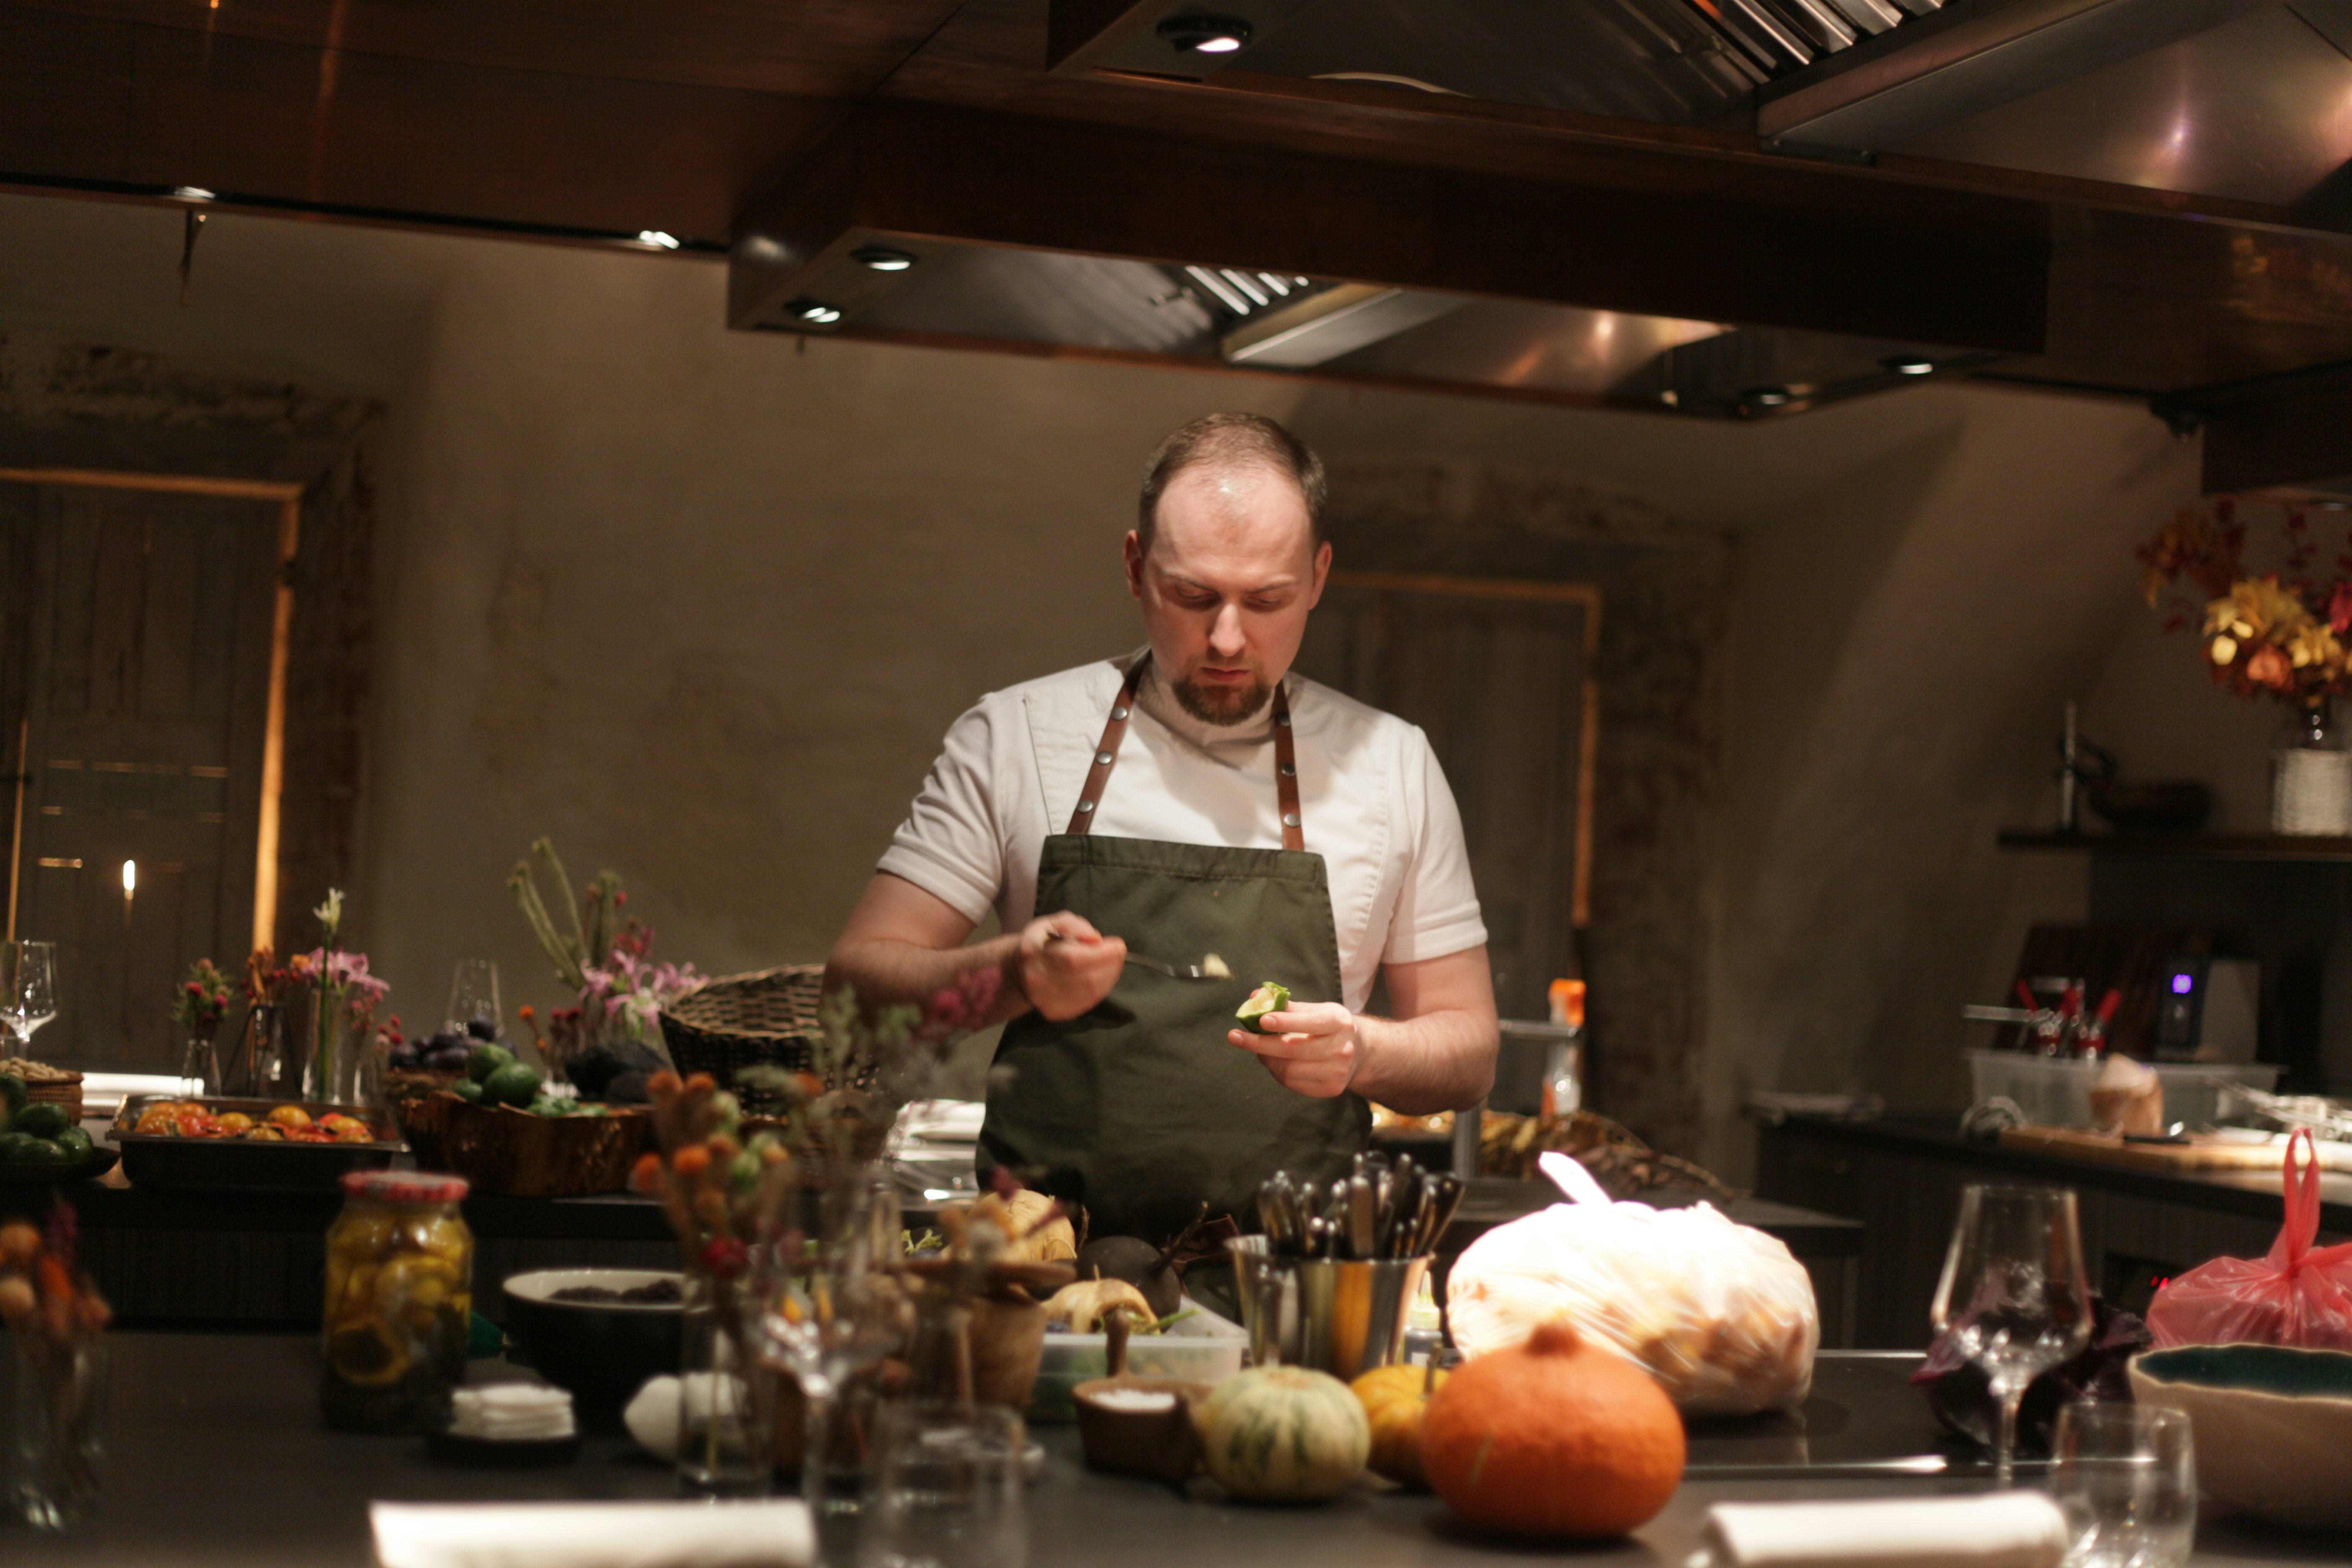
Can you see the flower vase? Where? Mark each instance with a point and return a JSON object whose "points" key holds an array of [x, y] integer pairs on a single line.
{"points": [[726, 1420], [60, 1399], [843, 1318], [2311, 774], [341, 1064]]}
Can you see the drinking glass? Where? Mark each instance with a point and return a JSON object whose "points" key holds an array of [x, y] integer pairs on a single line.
{"points": [[474, 993], [945, 1489], [2126, 1477], [2013, 1294], [28, 988]]}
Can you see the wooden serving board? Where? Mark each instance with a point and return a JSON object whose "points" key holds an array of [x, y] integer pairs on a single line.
{"points": [[2199, 1153]]}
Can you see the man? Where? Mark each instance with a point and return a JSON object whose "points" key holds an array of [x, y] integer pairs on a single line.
{"points": [[1229, 808]]}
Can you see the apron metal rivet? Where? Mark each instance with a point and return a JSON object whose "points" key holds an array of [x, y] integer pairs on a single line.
{"points": [[1289, 771], [1102, 759], [1086, 806], [1290, 819], [1118, 713]]}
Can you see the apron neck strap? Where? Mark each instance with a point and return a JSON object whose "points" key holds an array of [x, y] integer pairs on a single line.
{"points": [[1286, 760]]}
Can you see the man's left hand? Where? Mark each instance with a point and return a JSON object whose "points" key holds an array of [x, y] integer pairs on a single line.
{"points": [[1310, 1047]]}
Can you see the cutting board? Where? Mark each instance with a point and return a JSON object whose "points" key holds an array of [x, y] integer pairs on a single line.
{"points": [[2199, 1153]]}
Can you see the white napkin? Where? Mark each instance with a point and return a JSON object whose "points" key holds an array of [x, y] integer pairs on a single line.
{"points": [[1996, 1530], [593, 1535], [511, 1411]]}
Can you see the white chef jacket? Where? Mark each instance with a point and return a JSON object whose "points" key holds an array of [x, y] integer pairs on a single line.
{"points": [[1372, 800]]}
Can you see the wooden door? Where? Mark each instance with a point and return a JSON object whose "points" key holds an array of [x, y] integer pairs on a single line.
{"points": [[139, 631], [1498, 674]]}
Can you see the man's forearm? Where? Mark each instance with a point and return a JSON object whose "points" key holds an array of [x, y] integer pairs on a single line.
{"points": [[884, 972], [1442, 1060]]}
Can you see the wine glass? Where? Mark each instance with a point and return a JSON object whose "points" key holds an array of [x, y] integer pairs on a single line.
{"points": [[473, 998], [2013, 1294], [28, 988]]}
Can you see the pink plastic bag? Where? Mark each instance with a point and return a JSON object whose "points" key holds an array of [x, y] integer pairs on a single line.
{"points": [[2294, 1296]]}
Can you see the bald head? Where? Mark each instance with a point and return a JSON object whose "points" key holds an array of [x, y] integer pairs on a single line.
{"points": [[1225, 463]]}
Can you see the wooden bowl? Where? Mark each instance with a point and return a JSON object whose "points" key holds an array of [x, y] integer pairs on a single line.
{"points": [[515, 1153], [1163, 1444]]}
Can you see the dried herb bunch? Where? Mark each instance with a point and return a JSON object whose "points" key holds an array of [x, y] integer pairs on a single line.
{"points": [[727, 1199], [202, 1001]]}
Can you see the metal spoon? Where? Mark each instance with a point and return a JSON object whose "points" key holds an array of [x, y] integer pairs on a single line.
{"points": [[1209, 968]]}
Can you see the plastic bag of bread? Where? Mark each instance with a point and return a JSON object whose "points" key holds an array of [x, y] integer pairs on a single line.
{"points": [[1721, 1314]]}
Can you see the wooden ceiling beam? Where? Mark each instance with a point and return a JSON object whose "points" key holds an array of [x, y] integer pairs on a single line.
{"points": [[922, 172]]}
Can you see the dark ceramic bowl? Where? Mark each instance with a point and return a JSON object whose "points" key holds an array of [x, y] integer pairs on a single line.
{"points": [[2150, 808], [600, 1350]]}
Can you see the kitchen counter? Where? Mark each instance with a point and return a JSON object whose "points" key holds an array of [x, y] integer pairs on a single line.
{"points": [[186, 1259], [1901, 1178], [216, 1456]]}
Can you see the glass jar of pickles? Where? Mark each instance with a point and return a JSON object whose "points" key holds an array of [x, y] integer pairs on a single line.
{"points": [[400, 1297]]}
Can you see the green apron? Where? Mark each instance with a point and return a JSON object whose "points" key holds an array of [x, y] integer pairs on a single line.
{"points": [[1140, 1107]]}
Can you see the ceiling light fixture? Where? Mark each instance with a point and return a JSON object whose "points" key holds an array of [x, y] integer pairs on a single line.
{"points": [[1909, 365], [882, 257], [1199, 33], [816, 313], [658, 239], [192, 193]]}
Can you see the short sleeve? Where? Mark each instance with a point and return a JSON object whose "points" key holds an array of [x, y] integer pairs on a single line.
{"points": [[950, 844], [1437, 905]]}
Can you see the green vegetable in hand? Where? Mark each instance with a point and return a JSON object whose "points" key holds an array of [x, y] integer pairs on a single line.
{"points": [[1267, 998]]}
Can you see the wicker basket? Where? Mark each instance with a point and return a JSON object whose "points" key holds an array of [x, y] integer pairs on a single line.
{"points": [[763, 1019]]}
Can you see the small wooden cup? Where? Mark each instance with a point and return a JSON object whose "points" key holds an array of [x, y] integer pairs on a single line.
{"points": [[1163, 1444]]}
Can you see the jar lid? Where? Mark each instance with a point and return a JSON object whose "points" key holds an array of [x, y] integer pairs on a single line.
{"points": [[403, 1186]]}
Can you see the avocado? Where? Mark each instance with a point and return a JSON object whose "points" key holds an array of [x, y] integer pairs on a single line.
{"points": [[513, 1084], [467, 1090], [75, 1142], [9, 1143], [39, 1152], [14, 1095], [485, 1060], [1267, 998], [40, 1119]]}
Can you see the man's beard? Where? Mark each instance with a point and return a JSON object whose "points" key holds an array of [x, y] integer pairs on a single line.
{"points": [[1223, 706]]}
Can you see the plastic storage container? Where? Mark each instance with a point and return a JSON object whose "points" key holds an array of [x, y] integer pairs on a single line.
{"points": [[1204, 1346], [2053, 1092]]}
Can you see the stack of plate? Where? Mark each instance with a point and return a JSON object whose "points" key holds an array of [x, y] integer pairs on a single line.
{"points": [[933, 1146]]}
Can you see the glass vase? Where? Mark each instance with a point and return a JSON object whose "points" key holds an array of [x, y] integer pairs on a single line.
{"points": [[60, 1398], [338, 1063], [726, 1418], [2311, 773], [841, 1316]]}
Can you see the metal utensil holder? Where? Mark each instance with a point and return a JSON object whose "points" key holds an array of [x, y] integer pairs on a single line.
{"points": [[1335, 1315]]}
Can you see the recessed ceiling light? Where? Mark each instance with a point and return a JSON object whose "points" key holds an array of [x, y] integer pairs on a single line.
{"points": [[1199, 33], [882, 257], [1909, 365], [816, 313], [1766, 396], [192, 193], [658, 239]]}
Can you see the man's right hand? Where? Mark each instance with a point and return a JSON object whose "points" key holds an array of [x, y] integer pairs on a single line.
{"points": [[1066, 966]]}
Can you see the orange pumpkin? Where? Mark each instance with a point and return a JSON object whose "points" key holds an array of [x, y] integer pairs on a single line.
{"points": [[1394, 1399], [1554, 1437]]}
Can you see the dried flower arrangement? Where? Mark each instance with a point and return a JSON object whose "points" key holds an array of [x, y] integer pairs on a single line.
{"points": [[2276, 633]]}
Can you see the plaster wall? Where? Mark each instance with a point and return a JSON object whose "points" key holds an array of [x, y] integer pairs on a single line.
{"points": [[699, 604]]}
